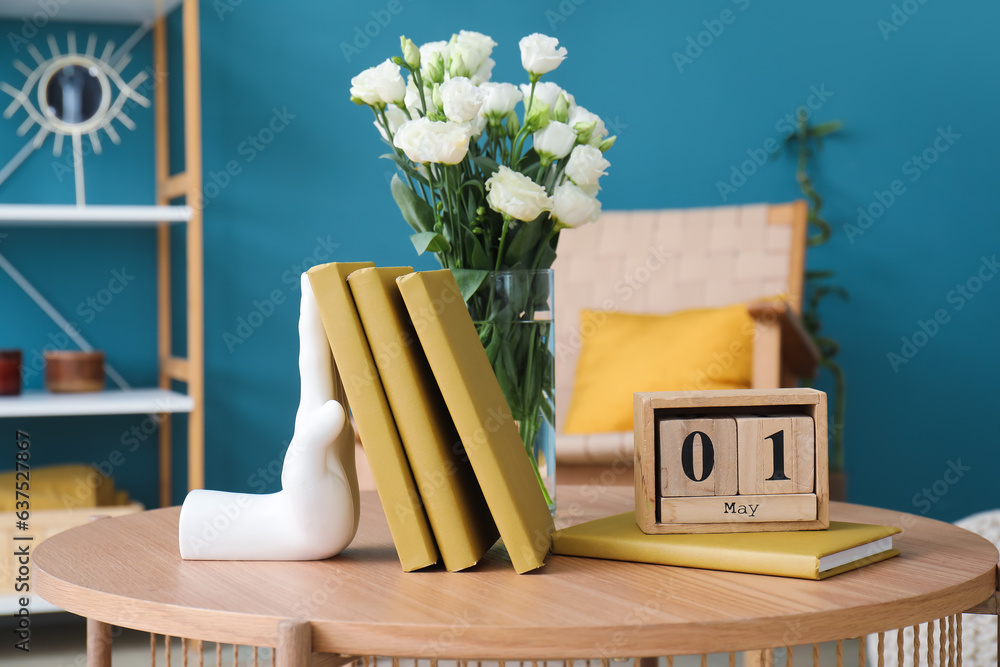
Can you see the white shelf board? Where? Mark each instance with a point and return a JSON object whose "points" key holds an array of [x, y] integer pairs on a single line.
{"points": [[50, 215], [92, 11], [109, 402], [9, 604]]}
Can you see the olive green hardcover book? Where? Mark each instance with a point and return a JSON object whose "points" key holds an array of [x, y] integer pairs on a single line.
{"points": [[803, 554], [463, 526], [481, 415], [411, 532]]}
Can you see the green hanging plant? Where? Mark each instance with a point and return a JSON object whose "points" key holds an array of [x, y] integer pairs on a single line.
{"points": [[818, 283]]}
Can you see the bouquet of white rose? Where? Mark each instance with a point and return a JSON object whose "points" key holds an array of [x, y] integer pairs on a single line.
{"points": [[480, 196]]}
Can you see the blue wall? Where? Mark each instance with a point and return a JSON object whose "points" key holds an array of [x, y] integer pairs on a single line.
{"points": [[317, 192]]}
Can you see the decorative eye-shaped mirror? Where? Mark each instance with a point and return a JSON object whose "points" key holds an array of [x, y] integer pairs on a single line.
{"points": [[73, 96]]}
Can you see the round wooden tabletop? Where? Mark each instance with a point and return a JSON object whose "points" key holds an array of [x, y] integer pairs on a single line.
{"points": [[127, 571]]}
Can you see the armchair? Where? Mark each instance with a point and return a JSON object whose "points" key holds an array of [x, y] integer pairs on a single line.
{"points": [[660, 262]]}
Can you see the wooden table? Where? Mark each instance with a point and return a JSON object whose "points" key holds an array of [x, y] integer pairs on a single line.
{"points": [[127, 571]]}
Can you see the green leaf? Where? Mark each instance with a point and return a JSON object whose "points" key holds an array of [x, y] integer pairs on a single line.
{"points": [[528, 161], [469, 280], [479, 255], [430, 241], [493, 349], [488, 165], [417, 213], [524, 242], [404, 164], [546, 255], [470, 207], [476, 184]]}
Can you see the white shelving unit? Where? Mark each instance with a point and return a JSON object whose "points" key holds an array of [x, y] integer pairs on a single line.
{"points": [[159, 216]]}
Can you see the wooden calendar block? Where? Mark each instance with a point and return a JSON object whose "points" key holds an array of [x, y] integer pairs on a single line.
{"points": [[739, 509], [697, 456], [776, 453], [780, 460]]}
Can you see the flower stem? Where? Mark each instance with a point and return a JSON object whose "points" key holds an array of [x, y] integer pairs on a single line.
{"points": [[437, 216], [450, 192], [420, 89], [503, 241], [523, 134]]}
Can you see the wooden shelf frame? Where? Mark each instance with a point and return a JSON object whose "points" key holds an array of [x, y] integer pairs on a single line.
{"points": [[184, 184]]}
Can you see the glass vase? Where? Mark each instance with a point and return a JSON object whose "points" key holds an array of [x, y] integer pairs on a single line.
{"points": [[514, 315]]}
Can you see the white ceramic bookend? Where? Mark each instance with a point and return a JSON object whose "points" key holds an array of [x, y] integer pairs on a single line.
{"points": [[315, 515]]}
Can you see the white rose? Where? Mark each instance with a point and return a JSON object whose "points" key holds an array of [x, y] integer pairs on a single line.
{"points": [[501, 98], [555, 140], [578, 114], [468, 51], [424, 140], [574, 207], [540, 53], [514, 194], [545, 91], [585, 167], [396, 117], [430, 50], [461, 99], [388, 82], [429, 53], [363, 87], [485, 71], [476, 126], [379, 84]]}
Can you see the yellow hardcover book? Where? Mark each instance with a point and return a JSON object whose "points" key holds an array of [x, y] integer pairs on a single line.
{"points": [[411, 532], [803, 554], [463, 527], [481, 415]]}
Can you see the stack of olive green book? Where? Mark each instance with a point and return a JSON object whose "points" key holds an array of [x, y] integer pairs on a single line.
{"points": [[445, 454]]}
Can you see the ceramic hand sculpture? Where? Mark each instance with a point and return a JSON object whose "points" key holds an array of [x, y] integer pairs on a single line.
{"points": [[315, 515]]}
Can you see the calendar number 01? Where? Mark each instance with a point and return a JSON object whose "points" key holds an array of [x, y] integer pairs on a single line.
{"points": [[708, 456]]}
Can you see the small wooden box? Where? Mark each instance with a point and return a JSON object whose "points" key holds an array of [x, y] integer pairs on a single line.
{"points": [[686, 461]]}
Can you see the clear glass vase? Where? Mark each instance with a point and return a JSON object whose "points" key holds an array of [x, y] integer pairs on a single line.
{"points": [[514, 315]]}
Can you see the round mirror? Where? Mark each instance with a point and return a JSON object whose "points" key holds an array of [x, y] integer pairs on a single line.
{"points": [[73, 94]]}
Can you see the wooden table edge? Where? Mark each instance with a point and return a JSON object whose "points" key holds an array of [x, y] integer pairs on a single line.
{"points": [[449, 642]]}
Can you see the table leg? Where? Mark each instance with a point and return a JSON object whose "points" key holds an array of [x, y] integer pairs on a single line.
{"points": [[98, 644], [294, 644], [764, 658], [648, 662], [98, 634]]}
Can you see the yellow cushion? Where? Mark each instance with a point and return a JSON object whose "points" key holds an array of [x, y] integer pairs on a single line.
{"points": [[622, 353], [62, 487]]}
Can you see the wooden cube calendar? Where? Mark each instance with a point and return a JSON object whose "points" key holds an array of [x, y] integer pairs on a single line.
{"points": [[731, 461]]}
